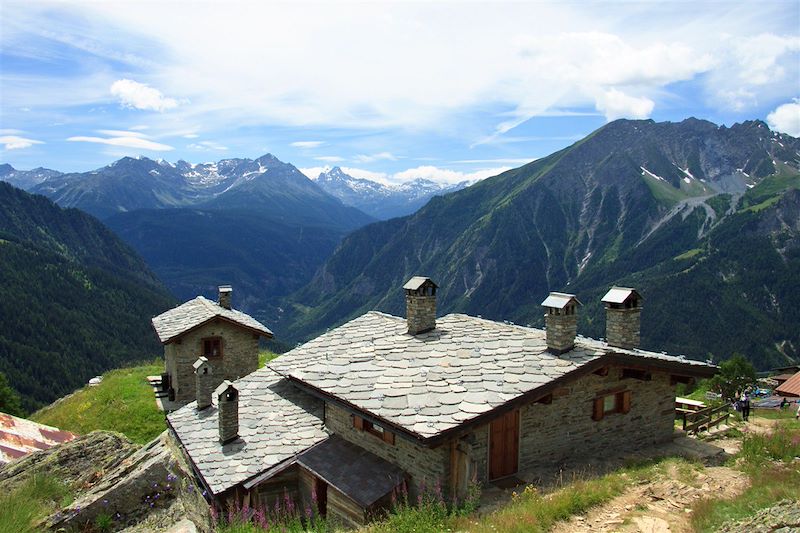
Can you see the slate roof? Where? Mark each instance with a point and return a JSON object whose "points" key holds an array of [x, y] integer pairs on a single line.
{"points": [[790, 387], [618, 295], [20, 437], [277, 421], [435, 381], [416, 282], [361, 475], [187, 316], [559, 300]]}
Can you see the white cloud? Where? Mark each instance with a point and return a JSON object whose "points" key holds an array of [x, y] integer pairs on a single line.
{"points": [[615, 104], [381, 156], [126, 141], [190, 136], [139, 127], [123, 133], [330, 158], [141, 96], [207, 145], [435, 174], [14, 142], [8, 131], [307, 144], [786, 118]]}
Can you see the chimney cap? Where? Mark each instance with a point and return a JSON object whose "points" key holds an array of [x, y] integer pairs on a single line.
{"points": [[225, 288], [620, 295], [201, 361], [224, 388], [417, 282], [559, 300]]}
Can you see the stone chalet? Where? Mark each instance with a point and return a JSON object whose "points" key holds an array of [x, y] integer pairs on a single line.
{"points": [[381, 401], [226, 339]]}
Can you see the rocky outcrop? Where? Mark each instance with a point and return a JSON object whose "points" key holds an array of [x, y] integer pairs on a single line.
{"points": [[78, 464], [784, 517]]}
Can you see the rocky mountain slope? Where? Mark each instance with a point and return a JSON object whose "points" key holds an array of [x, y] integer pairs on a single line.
{"points": [[382, 201], [77, 300], [697, 216]]}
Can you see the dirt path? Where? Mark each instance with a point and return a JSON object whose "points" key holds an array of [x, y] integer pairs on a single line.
{"points": [[659, 506]]}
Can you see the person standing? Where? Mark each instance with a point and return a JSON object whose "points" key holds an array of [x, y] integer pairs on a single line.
{"points": [[745, 404]]}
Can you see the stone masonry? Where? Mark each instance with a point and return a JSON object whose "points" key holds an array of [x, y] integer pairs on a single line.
{"points": [[564, 429], [228, 404], [239, 357], [205, 383], [561, 330], [421, 313], [426, 466], [623, 326]]}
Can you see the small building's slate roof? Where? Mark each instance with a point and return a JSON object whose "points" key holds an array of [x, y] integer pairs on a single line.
{"points": [[277, 421], [435, 381], [618, 295], [361, 475], [559, 300], [20, 437], [189, 315], [790, 387], [416, 282]]}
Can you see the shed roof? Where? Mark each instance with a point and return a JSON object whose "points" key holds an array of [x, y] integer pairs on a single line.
{"points": [[560, 300], [20, 437], [416, 282], [618, 295], [276, 422], [362, 476], [429, 383], [790, 387], [178, 321]]}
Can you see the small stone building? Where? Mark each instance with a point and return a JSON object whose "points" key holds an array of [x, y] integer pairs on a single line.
{"points": [[384, 404], [226, 338]]}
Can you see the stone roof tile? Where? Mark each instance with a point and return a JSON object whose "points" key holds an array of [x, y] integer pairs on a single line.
{"points": [[178, 320]]}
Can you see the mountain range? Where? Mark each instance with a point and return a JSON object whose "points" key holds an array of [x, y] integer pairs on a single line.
{"points": [[382, 201], [701, 218], [76, 300]]}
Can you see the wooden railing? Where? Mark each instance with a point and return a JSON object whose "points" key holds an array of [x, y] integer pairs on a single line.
{"points": [[694, 422]]}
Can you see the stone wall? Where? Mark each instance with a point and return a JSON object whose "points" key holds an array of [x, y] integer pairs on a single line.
{"points": [[622, 327], [420, 313], [564, 429], [426, 466], [561, 330], [239, 357]]}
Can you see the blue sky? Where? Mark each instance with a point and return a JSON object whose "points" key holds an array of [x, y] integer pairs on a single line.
{"points": [[392, 91]]}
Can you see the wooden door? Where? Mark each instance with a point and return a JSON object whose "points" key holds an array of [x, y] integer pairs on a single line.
{"points": [[504, 445], [321, 488]]}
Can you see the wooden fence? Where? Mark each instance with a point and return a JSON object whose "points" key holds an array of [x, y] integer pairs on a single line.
{"points": [[704, 419]]}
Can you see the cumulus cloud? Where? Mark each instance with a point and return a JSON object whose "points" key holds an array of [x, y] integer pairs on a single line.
{"points": [[330, 158], [141, 96], [307, 144], [786, 118], [15, 142], [381, 156], [125, 139], [615, 104]]}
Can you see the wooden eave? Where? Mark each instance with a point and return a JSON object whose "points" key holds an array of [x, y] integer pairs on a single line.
{"points": [[211, 319]]}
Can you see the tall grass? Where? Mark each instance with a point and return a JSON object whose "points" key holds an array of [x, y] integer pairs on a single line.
{"points": [[122, 402], [32, 501]]}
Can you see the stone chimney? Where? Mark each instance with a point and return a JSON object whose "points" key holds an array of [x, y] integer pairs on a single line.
{"points": [[228, 406], [623, 317], [225, 292], [204, 382], [561, 321], [420, 304]]}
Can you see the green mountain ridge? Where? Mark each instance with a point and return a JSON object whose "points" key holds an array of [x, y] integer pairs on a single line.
{"points": [[77, 300], [615, 208]]}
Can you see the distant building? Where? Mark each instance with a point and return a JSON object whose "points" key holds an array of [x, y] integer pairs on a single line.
{"points": [[226, 338], [20, 437], [383, 402]]}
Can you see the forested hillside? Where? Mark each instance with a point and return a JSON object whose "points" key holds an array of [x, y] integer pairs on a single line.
{"points": [[76, 300], [696, 216]]}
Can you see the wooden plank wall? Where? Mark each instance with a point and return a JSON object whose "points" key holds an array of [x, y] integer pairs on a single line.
{"points": [[343, 510], [305, 483], [276, 488]]}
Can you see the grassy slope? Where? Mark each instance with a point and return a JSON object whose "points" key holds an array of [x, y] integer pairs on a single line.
{"points": [[123, 402]]}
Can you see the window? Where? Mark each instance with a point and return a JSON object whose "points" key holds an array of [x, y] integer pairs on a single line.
{"points": [[607, 404], [212, 347], [373, 429]]}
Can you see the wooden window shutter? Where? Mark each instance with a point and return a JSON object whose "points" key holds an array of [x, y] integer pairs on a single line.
{"points": [[388, 437], [358, 422], [625, 401], [597, 410]]}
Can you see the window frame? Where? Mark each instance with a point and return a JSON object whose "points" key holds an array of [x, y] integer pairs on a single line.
{"points": [[621, 404], [360, 424], [211, 355]]}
